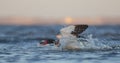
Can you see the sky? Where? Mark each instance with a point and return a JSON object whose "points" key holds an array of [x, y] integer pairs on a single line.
{"points": [[60, 8]]}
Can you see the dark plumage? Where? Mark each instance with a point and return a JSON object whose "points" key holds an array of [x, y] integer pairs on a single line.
{"points": [[79, 29]]}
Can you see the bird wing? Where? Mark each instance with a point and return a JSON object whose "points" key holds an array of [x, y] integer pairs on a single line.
{"points": [[79, 29]]}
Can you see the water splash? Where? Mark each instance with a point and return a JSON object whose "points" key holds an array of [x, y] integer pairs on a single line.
{"points": [[92, 43], [86, 43]]}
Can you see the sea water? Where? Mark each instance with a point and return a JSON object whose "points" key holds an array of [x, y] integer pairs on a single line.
{"points": [[18, 44]]}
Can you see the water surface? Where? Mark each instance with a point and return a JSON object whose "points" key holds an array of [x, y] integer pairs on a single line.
{"points": [[18, 44]]}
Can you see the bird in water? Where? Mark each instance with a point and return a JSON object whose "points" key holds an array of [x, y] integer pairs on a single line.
{"points": [[72, 31]]}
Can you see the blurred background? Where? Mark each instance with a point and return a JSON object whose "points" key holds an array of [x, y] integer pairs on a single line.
{"points": [[36, 12], [24, 23]]}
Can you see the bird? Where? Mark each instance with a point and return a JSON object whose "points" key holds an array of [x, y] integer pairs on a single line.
{"points": [[63, 39]]}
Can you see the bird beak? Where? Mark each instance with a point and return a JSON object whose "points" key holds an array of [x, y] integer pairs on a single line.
{"points": [[44, 42]]}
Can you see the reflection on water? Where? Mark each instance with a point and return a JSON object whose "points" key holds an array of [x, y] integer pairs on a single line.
{"points": [[18, 45]]}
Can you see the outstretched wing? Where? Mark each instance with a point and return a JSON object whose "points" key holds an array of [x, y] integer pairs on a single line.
{"points": [[79, 29]]}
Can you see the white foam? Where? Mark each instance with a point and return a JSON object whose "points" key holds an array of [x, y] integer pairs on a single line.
{"points": [[82, 43]]}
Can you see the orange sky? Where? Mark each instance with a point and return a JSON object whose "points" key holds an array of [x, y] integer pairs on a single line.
{"points": [[66, 20], [29, 12]]}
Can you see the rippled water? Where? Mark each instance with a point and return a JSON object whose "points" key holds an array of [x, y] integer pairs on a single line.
{"points": [[18, 44]]}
